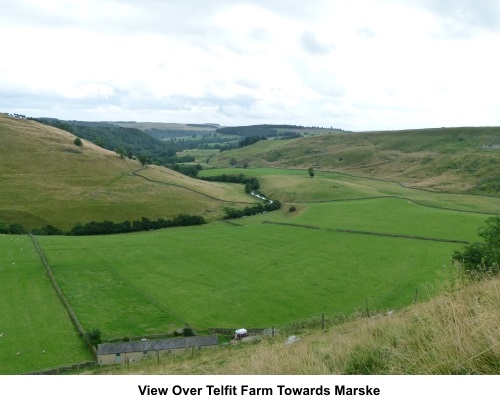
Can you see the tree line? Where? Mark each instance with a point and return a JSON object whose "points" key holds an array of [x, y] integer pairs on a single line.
{"points": [[266, 130], [108, 227], [11, 229], [233, 213], [144, 224], [251, 183]]}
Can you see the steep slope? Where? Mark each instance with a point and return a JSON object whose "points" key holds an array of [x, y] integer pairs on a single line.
{"points": [[444, 159], [46, 179]]}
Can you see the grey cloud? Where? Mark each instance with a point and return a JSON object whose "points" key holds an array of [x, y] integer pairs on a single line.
{"points": [[464, 18], [179, 102], [248, 83], [366, 32], [259, 34], [33, 105], [192, 18], [313, 46]]}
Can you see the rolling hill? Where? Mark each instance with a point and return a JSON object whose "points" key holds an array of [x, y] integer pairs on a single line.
{"points": [[441, 159], [47, 179]]}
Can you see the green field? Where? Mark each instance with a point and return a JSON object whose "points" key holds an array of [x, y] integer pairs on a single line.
{"points": [[36, 332], [296, 186], [393, 215], [221, 275], [261, 273]]}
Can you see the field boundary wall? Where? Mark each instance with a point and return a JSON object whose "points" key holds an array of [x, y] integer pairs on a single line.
{"points": [[392, 235], [62, 369], [405, 199], [61, 296]]}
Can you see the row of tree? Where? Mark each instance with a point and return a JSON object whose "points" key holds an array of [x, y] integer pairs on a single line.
{"points": [[108, 227], [266, 130], [233, 213], [11, 229], [251, 183], [250, 140], [145, 224]]}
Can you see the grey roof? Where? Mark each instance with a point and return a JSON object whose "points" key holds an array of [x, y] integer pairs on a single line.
{"points": [[149, 345]]}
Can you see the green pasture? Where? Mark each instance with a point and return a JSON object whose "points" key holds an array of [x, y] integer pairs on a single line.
{"points": [[296, 186], [36, 332], [224, 275], [393, 215]]}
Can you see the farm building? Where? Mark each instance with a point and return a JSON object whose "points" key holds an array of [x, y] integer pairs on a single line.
{"points": [[115, 353]]}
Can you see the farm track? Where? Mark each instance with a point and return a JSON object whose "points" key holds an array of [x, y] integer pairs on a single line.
{"points": [[392, 235]]}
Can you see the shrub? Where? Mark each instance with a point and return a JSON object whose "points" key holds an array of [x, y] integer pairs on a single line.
{"points": [[483, 257], [94, 336], [188, 331]]}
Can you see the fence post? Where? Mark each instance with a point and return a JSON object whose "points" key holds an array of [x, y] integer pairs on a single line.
{"points": [[323, 321], [416, 296], [367, 309]]}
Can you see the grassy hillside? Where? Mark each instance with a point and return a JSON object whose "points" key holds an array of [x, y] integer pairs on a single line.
{"points": [[446, 159], [295, 187], [47, 179]]}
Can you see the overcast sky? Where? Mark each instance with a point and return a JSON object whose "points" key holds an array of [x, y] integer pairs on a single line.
{"points": [[351, 64]]}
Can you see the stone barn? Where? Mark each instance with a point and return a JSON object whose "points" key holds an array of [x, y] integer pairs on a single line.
{"points": [[123, 352]]}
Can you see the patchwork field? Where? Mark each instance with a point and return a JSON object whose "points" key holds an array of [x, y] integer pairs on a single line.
{"points": [[226, 276], [340, 244], [296, 186]]}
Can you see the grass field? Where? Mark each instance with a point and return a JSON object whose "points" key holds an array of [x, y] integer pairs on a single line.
{"points": [[221, 275], [455, 333], [295, 186], [36, 332], [392, 215], [261, 274]]}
